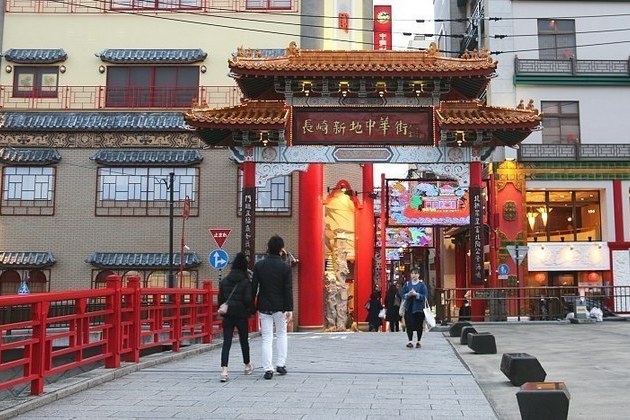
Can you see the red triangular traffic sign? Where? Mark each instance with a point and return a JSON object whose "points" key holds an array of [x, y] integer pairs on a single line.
{"points": [[219, 235]]}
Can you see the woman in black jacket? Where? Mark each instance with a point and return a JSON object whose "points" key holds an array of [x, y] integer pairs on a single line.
{"points": [[236, 290]]}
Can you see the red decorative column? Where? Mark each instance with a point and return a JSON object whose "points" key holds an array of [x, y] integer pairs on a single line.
{"points": [[477, 240], [364, 245], [311, 250], [618, 196]]}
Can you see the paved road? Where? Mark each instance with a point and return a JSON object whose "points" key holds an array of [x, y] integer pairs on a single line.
{"points": [[366, 376]]}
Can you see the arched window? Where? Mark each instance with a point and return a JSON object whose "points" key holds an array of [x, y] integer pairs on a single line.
{"points": [[100, 281], [9, 282]]}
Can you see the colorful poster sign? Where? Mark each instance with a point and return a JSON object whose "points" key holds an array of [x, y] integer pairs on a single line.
{"points": [[409, 236], [427, 203], [382, 27], [374, 126], [392, 254]]}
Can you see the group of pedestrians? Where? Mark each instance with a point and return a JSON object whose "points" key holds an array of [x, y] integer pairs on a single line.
{"points": [[271, 287], [411, 297], [270, 291]]}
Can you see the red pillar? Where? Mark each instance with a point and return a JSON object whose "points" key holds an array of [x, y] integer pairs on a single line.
{"points": [[618, 198], [364, 245], [311, 249], [476, 277]]}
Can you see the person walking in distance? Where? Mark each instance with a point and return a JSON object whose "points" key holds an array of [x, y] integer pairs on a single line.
{"points": [[392, 303], [236, 291], [414, 294], [273, 285]]}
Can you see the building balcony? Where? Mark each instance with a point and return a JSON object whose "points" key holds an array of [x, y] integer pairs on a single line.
{"points": [[573, 152], [89, 98], [105, 6], [572, 71]]}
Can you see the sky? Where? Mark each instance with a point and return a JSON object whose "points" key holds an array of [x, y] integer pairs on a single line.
{"points": [[404, 15]]}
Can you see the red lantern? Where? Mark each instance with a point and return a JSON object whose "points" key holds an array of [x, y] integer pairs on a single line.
{"points": [[539, 278], [592, 276]]}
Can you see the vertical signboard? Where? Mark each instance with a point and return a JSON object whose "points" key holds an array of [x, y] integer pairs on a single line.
{"points": [[476, 234], [248, 216], [382, 27]]}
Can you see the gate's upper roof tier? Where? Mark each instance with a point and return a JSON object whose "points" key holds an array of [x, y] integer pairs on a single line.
{"points": [[504, 126], [468, 75]]}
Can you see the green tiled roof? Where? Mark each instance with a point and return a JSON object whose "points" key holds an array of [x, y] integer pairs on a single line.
{"points": [[147, 157], [140, 260], [26, 259], [11, 156]]}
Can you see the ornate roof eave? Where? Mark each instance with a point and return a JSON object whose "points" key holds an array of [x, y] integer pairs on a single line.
{"points": [[254, 114], [501, 126], [217, 127], [363, 63], [463, 115]]}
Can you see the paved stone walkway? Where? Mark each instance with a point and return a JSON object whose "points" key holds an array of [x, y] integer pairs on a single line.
{"points": [[331, 375], [355, 376]]}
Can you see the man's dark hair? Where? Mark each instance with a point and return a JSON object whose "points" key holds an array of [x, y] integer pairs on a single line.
{"points": [[275, 245]]}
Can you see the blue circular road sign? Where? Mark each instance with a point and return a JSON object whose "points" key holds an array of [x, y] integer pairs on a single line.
{"points": [[218, 259], [503, 270]]}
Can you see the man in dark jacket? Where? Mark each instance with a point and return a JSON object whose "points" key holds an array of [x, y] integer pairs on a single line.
{"points": [[273, 284]]}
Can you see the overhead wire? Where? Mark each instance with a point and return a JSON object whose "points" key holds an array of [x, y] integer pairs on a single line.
{"points": [[324, 38]]}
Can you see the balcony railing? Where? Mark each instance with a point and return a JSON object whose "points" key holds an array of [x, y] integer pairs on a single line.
{"points": [[97, 97], [573, 152], [106, 6], [572, 67]]}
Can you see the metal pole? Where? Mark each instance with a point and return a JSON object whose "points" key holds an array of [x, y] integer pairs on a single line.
{"points": [[518, 283], [171, 186]]}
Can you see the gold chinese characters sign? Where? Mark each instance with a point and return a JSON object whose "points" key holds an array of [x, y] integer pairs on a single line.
{"points": [[374, 126]]}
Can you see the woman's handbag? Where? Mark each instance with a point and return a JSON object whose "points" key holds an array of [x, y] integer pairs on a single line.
{"points": [[429, 319], [223, 308], [382, 314], [403, 308]]}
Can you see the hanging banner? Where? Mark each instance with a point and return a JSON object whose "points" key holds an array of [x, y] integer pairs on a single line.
{"points": [[427, 203], [382, 27], [476, 235], [408, 236]]}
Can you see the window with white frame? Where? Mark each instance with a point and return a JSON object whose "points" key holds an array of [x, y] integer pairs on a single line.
{"points": [[561, 122], [556, 39], [142, 191], [28, 190], [274, 198], [268, 4]]}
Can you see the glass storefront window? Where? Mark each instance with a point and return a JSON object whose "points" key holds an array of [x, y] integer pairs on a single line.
{"points": [[558, 216]]}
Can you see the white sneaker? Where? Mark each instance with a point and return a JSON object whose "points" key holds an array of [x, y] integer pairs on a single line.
{"points": [[224, 374]]}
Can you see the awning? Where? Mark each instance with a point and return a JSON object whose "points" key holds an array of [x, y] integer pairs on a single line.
{"points": [[147, 157], [93, 121], [26, 259], [11, 156], [140, 260], [152, 56], [35, 55]]}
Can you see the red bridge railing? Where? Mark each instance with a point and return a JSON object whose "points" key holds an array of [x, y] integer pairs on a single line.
{"points": [[45, 334]]}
